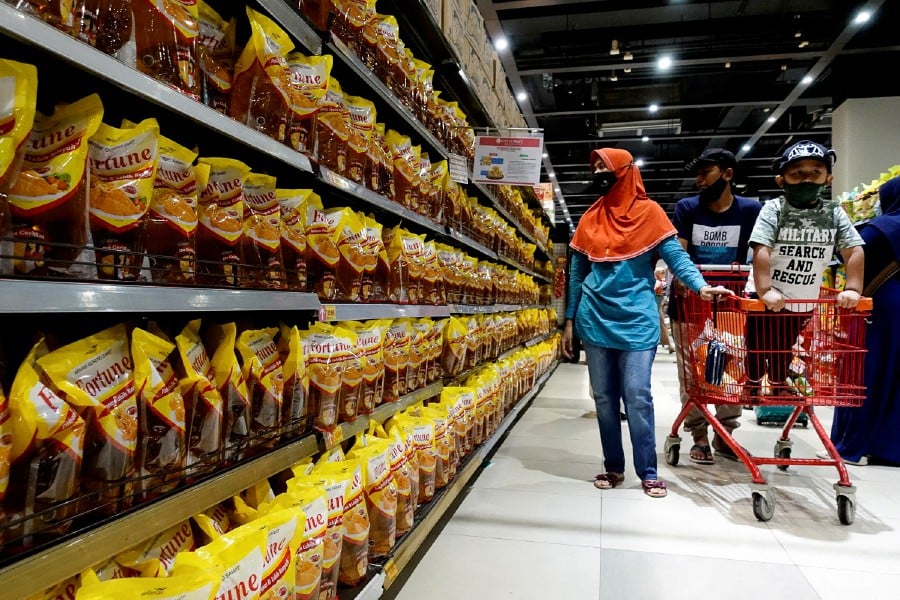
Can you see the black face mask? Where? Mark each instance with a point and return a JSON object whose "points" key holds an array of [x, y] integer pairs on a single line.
{"points": [[601, 182], [712, 193]]}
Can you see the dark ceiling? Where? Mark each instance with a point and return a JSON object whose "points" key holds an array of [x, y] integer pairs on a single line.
{"points": [[736, 80]]}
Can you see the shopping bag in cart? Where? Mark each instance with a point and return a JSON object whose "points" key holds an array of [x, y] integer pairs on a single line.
{"points": [[716, 353]]}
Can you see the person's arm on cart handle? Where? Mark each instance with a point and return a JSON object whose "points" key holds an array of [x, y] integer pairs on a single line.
{"points": [[762, 278], [854, 259]]}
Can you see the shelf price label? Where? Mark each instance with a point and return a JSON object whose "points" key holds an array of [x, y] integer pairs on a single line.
{"points": [[328, 312], [459, 169], [333, 438]]}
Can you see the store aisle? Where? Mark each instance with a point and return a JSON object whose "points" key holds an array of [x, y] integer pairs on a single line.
{"points": [[533, 526]]}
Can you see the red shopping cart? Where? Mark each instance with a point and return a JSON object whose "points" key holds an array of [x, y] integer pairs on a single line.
{"points": [[735, 352]]}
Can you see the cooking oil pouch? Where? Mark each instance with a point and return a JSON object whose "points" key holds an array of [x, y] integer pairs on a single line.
{"points": [[381, 492], [325, 368], [47, 439], [236, 558], [335, 479], [362, 127], [213, 523], [216, 49], [333, 129], [166, 34], [295, 402], [401, 470], [232, 386], [261, 257], [354, 556], [170, 226], [284, 530], [350, 243], [221, 222], [377, 270], [322, 254], [106, 571], [19, 84], [453, 357], [309, 79], [396, 360], [49, 200], [155, 557], [261, 97], [312, 499], [263, 371], [95, 374], [293, 236], [207, 419], [123, 170], [162, 447], [198, 585], [370, 352]]}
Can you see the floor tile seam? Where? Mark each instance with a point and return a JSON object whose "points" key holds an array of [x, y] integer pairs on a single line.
{"points": [[688, 554], [524, 541]]}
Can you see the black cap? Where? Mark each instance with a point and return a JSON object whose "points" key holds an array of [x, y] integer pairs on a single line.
{"points": [[804, 150], [713, 156]]}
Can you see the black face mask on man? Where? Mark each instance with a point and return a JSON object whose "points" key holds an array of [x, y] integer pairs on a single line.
{"points": [[714, 191], [601, 182]]}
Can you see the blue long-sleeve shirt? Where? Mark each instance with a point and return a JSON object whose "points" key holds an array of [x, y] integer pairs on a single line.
{"points": [[613, 304]]}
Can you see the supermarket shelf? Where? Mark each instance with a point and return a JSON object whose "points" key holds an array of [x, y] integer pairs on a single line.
{"points": [[294, 24], [512, 220], [33, 31], [35, 573], [431, 514], [467, 241], [20, 296], [361, 193], [421, 31], [471, 309], [387, 410], [363, 312], [516, 265], [532, 342], [344, 54]]}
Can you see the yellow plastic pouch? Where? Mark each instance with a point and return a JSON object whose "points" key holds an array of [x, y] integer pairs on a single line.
{"points": [[362, 127], [295, 407], [307, 494], [337, 479], [370, 352], [199, 391], [293, 236], [455, 349], [322, 254], [156, 556], [49, 199], [64, 590], [216, 52], [213, 523], [123, 170], [284, 530], [96, 374], [221, 222], [396, 360], [309, 79], [47, 438], [354, 556], [351, 241], [238, 557], [261, 246], [195, 586], [19, 82], [263, 372], [233, 388], [162, 448], [381, 492], [325, 360]]}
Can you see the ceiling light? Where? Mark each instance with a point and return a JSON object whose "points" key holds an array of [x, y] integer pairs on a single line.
{"points": [[639, 162], [784, 67], [862, 17], [544, 155], [746, 147], [807, 80], [552, 175], [558, 191], [798, 34], [728, 65], [767, 109], [501, 43], [664, 63], [771, 119], [628, 56], [613, 77], [521, 96], [626, 70], [646, 138], [614, 48], [803, 44], [654, 107]]}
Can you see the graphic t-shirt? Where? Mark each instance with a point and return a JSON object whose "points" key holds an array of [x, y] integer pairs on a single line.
{"points": [[716, 238], [803, 241]]}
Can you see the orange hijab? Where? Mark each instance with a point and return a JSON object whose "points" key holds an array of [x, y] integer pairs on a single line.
{"points": [[624, 223]]}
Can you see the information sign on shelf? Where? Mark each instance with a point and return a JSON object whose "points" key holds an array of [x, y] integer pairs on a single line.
{"points": [[508, 160], [459, 169], [544, 193]]}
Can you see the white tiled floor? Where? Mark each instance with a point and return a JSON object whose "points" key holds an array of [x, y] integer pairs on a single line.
{"points": [[532, 526]]}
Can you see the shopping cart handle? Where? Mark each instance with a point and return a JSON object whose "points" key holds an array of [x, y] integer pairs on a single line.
{"points": [[755, 305], [865, 304]]}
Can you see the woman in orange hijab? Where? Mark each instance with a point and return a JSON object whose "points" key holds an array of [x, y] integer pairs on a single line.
{"points": [[612, 307]]}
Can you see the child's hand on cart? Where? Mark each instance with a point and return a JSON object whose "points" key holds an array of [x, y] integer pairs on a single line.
{"points": [[710, 293], [773, 300], [848, 299]]}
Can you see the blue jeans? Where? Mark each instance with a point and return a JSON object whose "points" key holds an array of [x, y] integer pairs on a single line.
{"points": [[624, 375]]}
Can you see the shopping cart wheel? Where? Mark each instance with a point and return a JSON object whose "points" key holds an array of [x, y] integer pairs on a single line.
{"points": [[673, 448], [782, 452], [846, 509], [763, 505]]}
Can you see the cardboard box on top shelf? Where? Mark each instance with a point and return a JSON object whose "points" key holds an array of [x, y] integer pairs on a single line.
{"points": [[436, 7], [498, 73], [474, 20], [454, 27]]}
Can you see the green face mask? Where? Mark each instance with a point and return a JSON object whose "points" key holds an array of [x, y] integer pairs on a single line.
{"points": [[802, 195]]}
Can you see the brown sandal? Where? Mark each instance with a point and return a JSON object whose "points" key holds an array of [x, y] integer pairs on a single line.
{"points": [[654, 488], [607, 481]]}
